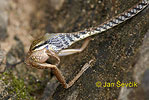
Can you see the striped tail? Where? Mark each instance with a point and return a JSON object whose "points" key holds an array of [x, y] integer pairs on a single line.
{"points": [[112, 22]]}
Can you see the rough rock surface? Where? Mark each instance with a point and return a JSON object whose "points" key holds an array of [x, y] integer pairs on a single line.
{"points": [[116, 52]]}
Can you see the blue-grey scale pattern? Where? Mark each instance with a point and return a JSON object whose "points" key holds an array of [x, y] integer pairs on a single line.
{"points": [[63, 40]]}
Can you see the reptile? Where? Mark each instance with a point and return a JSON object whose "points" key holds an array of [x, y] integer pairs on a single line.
{"points": [[53, 45]]}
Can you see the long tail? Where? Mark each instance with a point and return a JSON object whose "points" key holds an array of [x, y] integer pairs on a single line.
{"points": [[110, 23]]}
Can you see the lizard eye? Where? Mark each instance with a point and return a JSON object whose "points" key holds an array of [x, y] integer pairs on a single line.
{"points": [[33, 47]]}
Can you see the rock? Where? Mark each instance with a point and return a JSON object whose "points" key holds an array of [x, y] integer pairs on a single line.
{"points": [[2, 60], [115, 52], [3, 19], [141, 73]]}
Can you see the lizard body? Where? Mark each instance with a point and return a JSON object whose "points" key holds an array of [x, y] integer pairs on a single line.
{"points": [[53, 45]]}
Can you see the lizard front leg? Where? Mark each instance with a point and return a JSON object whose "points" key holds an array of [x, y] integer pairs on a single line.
{"points": [[72, 51]]}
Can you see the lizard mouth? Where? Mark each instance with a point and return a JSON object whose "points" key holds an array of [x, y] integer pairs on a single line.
{"points": [[42, 58]]}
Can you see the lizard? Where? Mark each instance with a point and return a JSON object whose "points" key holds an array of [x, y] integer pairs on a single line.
{"points": [[54, 45]]}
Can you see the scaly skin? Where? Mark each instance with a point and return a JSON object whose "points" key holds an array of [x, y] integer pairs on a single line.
{"points": [[50, 46]]}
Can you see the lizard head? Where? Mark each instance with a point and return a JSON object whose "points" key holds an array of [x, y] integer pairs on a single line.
{"points": [[37, 44], [40, 52], [41, 42]]}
